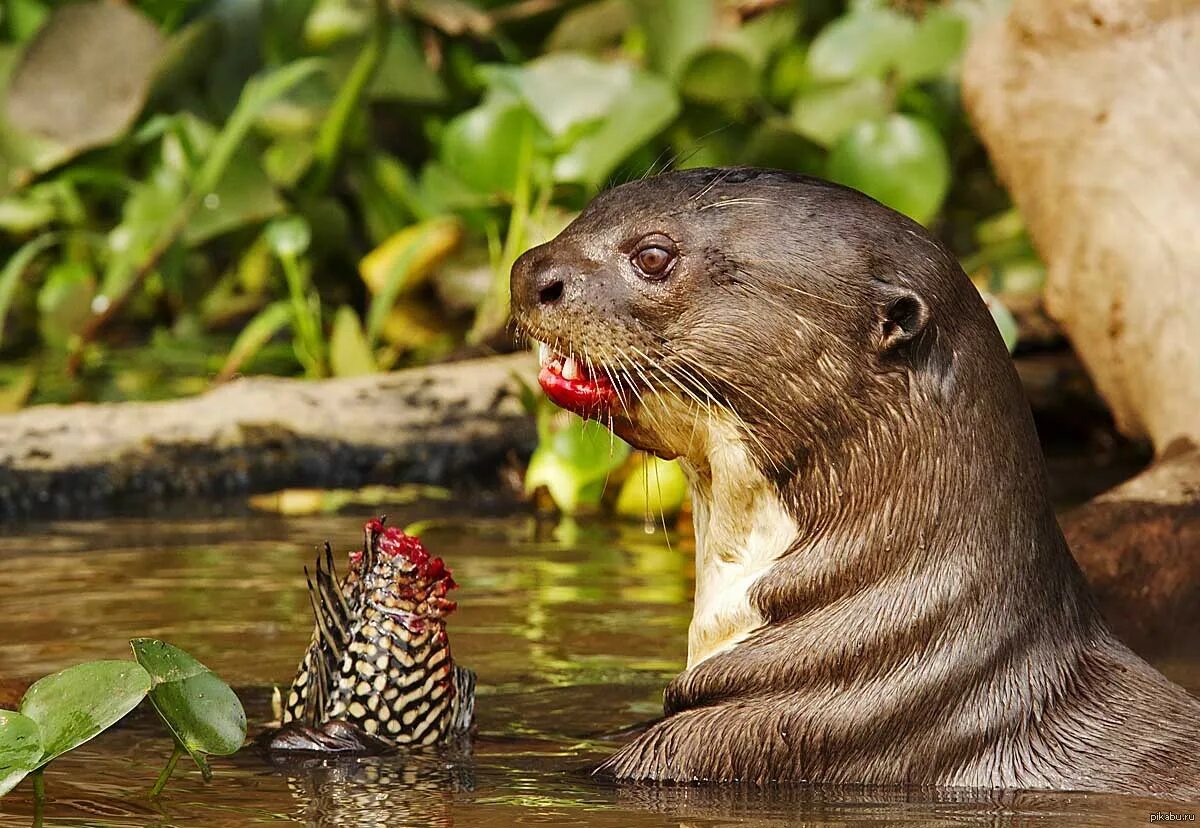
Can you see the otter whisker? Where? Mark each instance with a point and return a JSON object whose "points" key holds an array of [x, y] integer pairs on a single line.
{"points": [[743, 426], [734, 202], [802, 292], [716, 179]]}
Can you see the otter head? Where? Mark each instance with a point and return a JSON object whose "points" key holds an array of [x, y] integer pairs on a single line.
{"points": [[786, 306], [805, 351]]}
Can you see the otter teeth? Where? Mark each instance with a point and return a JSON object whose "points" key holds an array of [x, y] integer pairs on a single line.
{"points": [[570, 369], [544, 354]]}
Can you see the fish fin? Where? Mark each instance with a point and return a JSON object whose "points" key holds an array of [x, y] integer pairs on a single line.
{"points": [[331, 615], [462, 709]]}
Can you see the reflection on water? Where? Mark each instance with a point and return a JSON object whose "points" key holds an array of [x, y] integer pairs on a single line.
{"points": [[573, 631]]}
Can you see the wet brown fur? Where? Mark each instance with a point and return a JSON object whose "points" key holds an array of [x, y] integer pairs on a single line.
{"points": [[927, 625]]}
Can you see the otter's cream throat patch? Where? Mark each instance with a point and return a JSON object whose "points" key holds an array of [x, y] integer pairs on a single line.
{"points": [[741, 524]]}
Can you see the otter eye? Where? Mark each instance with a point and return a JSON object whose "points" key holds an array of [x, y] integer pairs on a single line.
{"points": [[655, 258]]}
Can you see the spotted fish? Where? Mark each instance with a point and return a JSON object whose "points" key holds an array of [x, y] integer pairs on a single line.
{"points": [[379, 662]]}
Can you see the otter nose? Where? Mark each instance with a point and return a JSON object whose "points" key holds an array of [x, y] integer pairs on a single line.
{"points": [[537, 283], [549, 286]]}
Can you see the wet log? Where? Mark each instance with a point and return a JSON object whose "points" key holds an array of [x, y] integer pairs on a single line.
{"points": [[442, 425], [1139, 543]]}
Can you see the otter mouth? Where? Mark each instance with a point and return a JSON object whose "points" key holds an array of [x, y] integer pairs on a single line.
{"points": [[577, 385]]}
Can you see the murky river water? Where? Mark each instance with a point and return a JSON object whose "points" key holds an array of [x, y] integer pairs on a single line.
{"points": [[573, 631]]}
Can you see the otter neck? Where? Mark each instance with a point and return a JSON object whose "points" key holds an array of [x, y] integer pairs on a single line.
{"points": [[741, 529], [867, 563]]}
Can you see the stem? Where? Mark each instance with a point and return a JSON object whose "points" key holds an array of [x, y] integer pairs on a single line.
{"points": [[165, 775], [39, 797], [117, 303], [493, 313], [308, 323], [348, 101]]}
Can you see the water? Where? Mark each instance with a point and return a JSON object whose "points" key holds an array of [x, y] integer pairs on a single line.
{"points": [[573, 631]]}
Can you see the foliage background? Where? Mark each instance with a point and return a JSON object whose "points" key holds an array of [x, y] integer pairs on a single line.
{"points": [[192, 190]]}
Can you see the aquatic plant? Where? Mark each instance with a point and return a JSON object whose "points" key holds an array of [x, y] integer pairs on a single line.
{"points": [[336, 187], [62, 711]]}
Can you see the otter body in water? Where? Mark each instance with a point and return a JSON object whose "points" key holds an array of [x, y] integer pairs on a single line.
{"points": [[883, 595]]}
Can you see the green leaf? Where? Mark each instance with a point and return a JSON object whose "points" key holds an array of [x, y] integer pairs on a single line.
{"points": [[674, 31], [244, 196], [403, 262], [1005, 321], [863, 44], [75, 88], [15, 268], [596, 113], [202, 712], [405, 75], [649, 106], [934, 48], [257, 333], [719, 75], [655, 488], [350, 354], [23, 18], [20, 748], [259, 92], [789, 74], [573, 459], [26, 212], [386, 195], [480, 144], [149, 207], [76, 704], [17, 384], [591, 27], [900, 161], [64, 301], [826, 114], [287, 159]]}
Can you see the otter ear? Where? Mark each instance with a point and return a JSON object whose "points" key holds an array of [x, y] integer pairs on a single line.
{"points": [[903, 314]]}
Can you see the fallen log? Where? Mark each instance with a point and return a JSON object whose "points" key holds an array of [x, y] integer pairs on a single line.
{"points": [[439, 425]]}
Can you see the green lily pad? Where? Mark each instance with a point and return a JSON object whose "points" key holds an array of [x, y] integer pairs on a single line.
{"points": [[20, 748], [863, 44], [934, 47], [203, 713], [827, 113], [899, 160], [76, 704]]}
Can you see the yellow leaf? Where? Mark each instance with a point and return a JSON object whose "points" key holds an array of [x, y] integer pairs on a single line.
{"points": [[408, 256], [411, 325]]}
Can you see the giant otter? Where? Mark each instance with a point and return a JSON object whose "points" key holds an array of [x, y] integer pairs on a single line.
{"points": [[883, 595]]}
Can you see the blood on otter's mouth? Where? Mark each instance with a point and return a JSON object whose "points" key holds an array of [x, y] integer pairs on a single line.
{"points": [[574, 384]]}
